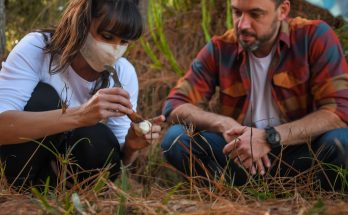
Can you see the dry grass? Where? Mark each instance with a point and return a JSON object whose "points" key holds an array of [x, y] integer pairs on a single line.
{"points": [[151, 186], [179, 199]]}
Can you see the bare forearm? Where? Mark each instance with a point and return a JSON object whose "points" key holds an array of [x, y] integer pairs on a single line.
{"points": [[129, 155], [201, 119], [21, 126], [309, 127]]}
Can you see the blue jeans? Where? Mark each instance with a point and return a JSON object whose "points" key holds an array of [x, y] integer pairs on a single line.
{"points": [[208, 161]]}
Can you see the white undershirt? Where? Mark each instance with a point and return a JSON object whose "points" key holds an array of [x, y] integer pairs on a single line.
{"points": [[262, 112], [27, 64]]}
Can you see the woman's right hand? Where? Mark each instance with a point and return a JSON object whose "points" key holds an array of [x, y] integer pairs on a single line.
{"points": [[107, 102]]}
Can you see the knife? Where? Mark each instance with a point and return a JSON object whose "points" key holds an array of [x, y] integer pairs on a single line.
{"points": [[134, 117]]}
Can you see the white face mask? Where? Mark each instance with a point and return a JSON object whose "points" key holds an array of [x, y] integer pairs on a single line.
{"points": [[97, 53]]}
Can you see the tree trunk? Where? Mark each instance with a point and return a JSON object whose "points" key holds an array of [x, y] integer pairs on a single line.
{"points": [[143, 4], [2, 29]]}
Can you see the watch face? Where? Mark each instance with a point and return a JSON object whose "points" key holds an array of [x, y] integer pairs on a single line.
{"points": [[275, 138]]}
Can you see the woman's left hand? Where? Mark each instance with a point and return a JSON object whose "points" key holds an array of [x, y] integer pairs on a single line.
{"points": [[135, 142]]}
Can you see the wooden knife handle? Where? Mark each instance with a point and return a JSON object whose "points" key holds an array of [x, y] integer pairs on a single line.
{"points": [[136, 118]]}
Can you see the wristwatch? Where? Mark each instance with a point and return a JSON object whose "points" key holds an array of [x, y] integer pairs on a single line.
{"points": [[272, 137]]}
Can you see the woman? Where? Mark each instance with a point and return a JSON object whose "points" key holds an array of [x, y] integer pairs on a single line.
{"points": [[54, 90]]}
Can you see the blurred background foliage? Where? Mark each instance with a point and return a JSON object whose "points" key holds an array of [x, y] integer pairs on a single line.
{"points": [[200, 18], [22, 16], [175, 31]]}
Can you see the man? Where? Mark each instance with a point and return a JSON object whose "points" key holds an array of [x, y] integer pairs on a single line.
{"points": [[283, 87]]}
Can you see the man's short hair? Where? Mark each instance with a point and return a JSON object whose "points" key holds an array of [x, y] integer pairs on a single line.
{"points": [[278, 2]]}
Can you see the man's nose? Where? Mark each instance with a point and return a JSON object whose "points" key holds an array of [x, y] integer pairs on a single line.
{"points": [[244, 22]]}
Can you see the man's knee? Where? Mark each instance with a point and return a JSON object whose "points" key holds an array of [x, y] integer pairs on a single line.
{"points": [[340, 134], [174, 146], [175, 134], [335, 146]]}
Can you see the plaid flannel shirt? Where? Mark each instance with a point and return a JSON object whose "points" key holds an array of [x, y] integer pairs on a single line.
{"points": [[308, 72]]}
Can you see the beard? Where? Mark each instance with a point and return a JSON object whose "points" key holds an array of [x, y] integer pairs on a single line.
{"points": [[249, 46], [259, 40]]}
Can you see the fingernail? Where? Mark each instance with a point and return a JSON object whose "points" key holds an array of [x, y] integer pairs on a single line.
{"points": [[262, 172]]}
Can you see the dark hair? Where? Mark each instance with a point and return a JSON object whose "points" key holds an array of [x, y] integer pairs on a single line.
{"points": [[119, 16], [278, 2]]}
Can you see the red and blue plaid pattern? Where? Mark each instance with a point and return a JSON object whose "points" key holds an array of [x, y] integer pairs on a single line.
{"points": [[307, 73]]}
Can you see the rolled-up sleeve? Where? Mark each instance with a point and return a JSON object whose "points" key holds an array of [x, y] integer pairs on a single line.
{"points": [[198, 84]]}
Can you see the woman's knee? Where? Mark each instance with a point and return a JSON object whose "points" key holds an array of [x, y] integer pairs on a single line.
{"points": [[95, 147], [43, 98]]}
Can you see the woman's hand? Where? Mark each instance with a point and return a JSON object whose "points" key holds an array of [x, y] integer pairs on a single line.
{"points": [[136, 142], [108, 102]]}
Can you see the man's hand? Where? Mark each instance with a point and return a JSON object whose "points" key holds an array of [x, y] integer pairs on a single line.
{"points": [[247, 146]]}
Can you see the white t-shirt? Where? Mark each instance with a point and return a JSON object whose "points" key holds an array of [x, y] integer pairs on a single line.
{"points": [[262, 112], [27, 65]]}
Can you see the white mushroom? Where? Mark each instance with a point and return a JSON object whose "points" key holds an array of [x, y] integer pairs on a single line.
{"points": [[142, 128]]}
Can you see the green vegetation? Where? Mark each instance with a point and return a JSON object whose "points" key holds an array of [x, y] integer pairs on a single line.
{"points": [[22, 16], [206, 18], [156, 26], [342, 34]]}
